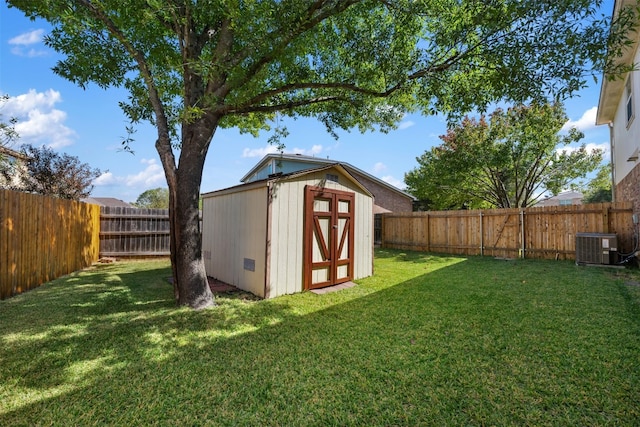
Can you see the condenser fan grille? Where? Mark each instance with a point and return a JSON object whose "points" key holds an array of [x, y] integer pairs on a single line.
{"points": [[595, 248]]}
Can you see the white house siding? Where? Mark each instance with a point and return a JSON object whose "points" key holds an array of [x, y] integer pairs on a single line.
{"points": [[287, 229], [626, 139], [234, 228]]}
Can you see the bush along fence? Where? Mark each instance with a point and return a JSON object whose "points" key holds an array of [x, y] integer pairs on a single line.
{"points": [[544, 232], [132, 232], [42, 238]]}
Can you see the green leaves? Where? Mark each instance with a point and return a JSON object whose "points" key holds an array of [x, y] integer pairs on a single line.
{"points": [[330, 58], [506, 160], [157, 198]]}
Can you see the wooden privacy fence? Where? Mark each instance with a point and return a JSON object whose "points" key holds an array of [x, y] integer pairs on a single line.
{"points": [[134, 232], [42, 238], [544, 232]]}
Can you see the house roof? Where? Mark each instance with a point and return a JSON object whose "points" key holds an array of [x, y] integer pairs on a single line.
{"points": [[565, 195], [283, 177], [12, 153], [612, 90], [317, 162], [108, 201]]}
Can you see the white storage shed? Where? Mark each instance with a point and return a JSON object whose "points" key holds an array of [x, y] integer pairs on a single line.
{"points": [[289, 233]]}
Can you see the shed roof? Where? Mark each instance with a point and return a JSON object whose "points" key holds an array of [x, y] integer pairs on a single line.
{"points": [[317, 162], [283, 177]]}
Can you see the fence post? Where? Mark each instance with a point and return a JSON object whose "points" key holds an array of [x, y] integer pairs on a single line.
{"points": [[522, 234], [481, 236], [605, 217], [428, 234], [549, 229]]}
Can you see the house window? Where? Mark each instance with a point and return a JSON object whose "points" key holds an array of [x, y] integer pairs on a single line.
{"points": [[567, 202], [629, 100]]}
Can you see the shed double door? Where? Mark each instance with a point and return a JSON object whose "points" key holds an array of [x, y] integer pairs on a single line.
{"points": [[328, 240]]}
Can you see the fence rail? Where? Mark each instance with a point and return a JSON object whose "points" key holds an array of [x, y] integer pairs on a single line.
{"points": [[42, 238], [134, 232], [544, 232]]}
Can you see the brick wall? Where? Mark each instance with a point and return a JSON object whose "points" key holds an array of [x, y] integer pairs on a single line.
{"points": [[629, 189], [386, 198]]}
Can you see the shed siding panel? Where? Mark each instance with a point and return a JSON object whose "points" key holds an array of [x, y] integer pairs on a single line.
{"points": [[234, 229], [363, 253], [288, 230], [286, 246]]}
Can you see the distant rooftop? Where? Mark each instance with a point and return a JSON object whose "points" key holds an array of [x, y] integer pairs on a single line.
{"points": [[563, 198], [108, 201]]}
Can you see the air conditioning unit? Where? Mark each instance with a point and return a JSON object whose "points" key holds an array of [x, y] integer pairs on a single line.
{"points": [[596, 248]]}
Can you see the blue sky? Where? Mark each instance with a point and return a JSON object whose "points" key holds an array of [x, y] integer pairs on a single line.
{"points": [[89, 124]]}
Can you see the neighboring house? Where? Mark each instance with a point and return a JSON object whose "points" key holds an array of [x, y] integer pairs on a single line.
{"points": [[290, 232], [12, 167], [618, 106], [566, 198], [387, 198], [108, 201]]}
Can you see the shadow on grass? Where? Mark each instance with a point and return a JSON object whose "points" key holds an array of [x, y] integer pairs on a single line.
{"points": [[434, 348]]}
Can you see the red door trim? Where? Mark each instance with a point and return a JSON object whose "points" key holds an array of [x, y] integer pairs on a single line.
{"points": [[332, 249]]}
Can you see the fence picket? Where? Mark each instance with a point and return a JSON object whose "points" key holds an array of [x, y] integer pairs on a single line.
{"points": [[543, 232], [134, 232], [42, 238]]}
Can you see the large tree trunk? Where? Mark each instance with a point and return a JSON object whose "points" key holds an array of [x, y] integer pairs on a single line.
{"points": [[188, 266], [191, 287]]}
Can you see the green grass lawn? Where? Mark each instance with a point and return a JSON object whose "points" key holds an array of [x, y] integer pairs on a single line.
{"points": [[429, 340]]}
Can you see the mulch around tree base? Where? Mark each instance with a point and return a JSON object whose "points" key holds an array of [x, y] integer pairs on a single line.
{"points": [[218, 286]]}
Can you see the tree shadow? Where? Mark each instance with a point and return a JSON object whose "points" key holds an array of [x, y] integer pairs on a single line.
{"points": [[427, 350]]}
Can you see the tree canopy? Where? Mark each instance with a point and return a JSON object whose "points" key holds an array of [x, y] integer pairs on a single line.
{"points": [[505, 160], [8, 134], [599, 189], [52, 174], [193, 66], [156, 198]]}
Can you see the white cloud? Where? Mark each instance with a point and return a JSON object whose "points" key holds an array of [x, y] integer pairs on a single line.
{"points": [[394, 181], [38, 121], [379, 167], [259, 152], [587, 121], [150, 177], [29, 53], [24, 103], [316, 149], [21, 42], [32, 37], [263, 151], [106, 179], [605, 147], [405, 125]]}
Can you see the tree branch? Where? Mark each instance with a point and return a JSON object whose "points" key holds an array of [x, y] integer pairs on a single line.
{"points": [[163, 143], [308, 22], [283, 106]]}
